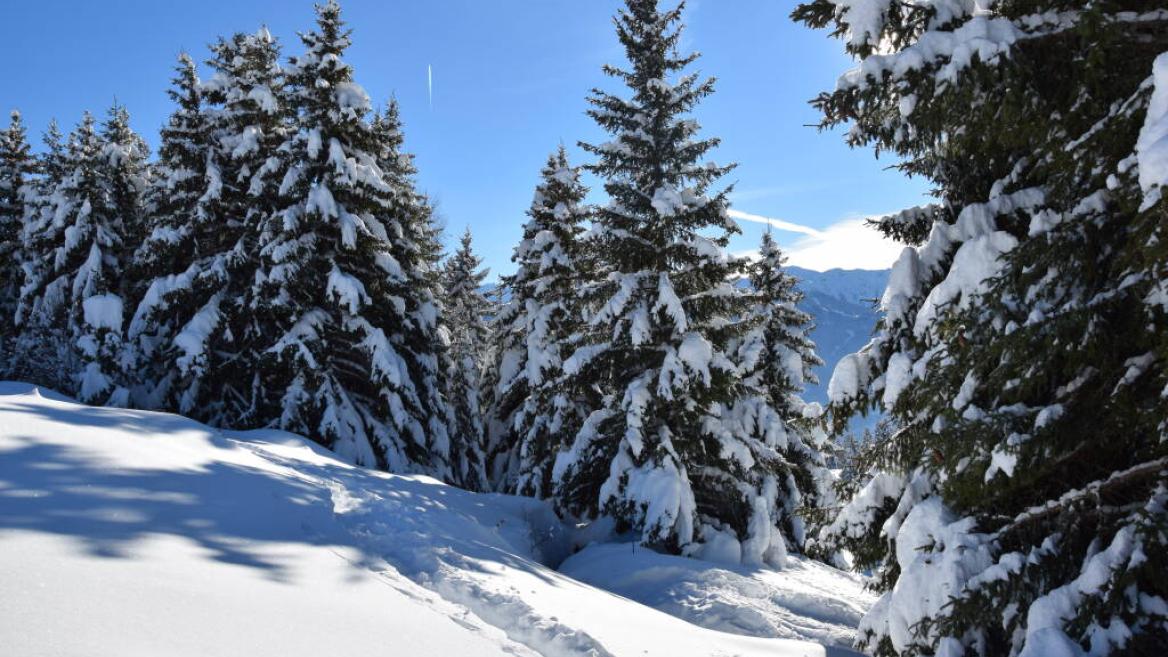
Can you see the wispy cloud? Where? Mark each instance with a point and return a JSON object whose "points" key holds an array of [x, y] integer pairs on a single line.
{"points": [[776, 223]]}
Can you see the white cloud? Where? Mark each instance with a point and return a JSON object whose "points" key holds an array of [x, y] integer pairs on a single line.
{"points": [[777, 223], [846, 244]]}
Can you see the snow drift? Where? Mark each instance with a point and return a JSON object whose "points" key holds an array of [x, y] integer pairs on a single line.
{"points": [[133, 533]]}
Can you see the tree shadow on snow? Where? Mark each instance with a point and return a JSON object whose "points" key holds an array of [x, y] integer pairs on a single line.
{"points": [[234, 510], [223, 508]]}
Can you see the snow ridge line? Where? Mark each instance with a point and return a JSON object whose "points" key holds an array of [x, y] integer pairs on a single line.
{"points": [[443, 571]]}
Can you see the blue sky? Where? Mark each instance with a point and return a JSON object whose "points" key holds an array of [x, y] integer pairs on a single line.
{"points": [[510, 79]]}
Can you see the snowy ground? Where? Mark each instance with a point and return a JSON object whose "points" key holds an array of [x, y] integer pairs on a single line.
{"points": [[805, 600], [130, 533]]}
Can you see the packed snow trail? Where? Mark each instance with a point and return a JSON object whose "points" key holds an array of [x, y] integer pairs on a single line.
{"points": [[134, 533]]}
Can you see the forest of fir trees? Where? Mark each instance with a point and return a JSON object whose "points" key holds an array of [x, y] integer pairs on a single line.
{"points": [[275, 265]]}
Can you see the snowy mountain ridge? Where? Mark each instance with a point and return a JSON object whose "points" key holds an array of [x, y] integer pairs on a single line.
{"points": [[855, 286], [843, 307]]}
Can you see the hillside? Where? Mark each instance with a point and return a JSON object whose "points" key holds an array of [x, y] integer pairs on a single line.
{"points": [[127, 533]]}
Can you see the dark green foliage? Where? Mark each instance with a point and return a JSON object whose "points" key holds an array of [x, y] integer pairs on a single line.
{"points": [[17, 167], [192, 338], [71, 310], [1047, 378], [467, 311]]}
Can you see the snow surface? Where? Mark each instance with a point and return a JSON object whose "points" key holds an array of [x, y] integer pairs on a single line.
{"points": [[134, 533], [1152, 145], [103, 311], [806, 599]]}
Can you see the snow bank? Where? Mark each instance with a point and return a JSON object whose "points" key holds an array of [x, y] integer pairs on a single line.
{"points": [[806, 600], [133, 533]]}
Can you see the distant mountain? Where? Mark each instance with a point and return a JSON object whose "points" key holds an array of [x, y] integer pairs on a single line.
{"points": [[845, 305]]}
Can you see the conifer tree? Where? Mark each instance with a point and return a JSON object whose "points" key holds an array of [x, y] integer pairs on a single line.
{"points": [[777, 358], [38, 352], [176, 204], [467, 310], [51, 162], [418, 251], [125, 155], [328, 297], [1020, 508], [180, 180], [126, 174], [194, 330], [17, 165], [72, 293], [532, 412], [784, 362], [679, 447]]}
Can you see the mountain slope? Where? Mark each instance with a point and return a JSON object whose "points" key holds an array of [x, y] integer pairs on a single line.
{"points": [[843, 305], [133, 533]]}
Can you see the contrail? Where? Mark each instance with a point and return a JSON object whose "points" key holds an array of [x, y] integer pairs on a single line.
{"points": [[430, 84], [777, 223]]}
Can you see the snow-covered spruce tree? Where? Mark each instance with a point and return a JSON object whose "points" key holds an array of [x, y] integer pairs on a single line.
{"points": [[70, 300], [418, 251], [786, 357], [176, 206], [329, 295], [679, 447], [39, 346], [777, 358], [17, 166], [532, 414], [1022, 505], [193, 333], [124, 157], [466, 313]]}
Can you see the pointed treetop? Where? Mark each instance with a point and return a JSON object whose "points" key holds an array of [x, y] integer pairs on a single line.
{"points": [[14, 138], [330, 38], [15, 133], [559, 159], [53, 137], [465, 243], [122, 141], [464, 263], [388, 124], [117, 125], [86, 129], [650, 38], [769, 249], [185, 92]]}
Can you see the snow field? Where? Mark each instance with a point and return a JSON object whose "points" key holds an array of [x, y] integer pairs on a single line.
{"points": [[134, 533]]}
